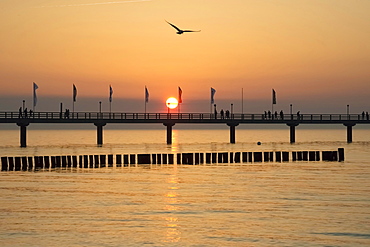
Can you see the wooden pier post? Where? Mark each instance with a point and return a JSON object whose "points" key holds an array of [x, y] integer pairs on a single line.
{"points": [[169, 131], [23, 133], [340, 154], [99, 127], [170, 159]]}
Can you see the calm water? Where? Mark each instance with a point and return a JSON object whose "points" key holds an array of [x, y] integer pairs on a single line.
{"points": [[266, 204]]}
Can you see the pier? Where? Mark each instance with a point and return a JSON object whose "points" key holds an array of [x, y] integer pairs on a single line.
{"points": [[101, 119]]}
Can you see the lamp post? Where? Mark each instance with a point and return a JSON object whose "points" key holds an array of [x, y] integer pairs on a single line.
{"points": [[24, 104], [347, 111], [291, 109], [100, 109]]}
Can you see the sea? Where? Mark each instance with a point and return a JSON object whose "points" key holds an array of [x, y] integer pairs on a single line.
{"points": [[302, 203]]}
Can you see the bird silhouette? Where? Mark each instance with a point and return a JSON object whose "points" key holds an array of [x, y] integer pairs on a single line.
{"points": [[179, 31]]}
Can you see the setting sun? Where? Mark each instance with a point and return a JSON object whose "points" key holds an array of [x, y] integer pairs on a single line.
{"points": [[172, 103]]}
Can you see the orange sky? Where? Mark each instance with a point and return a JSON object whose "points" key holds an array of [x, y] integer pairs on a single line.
{"points": [[306, 50]]}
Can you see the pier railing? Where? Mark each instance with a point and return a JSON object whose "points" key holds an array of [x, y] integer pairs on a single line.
{"points": [[8, 115]]}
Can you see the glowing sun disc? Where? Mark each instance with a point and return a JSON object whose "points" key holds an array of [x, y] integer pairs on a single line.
{"points": [[172, 103]]}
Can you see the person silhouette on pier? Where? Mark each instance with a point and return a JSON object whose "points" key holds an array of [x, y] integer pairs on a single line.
{"points": [[281, 115], [269, 114], [25, 113], [363, 115], [298, 115], [227, 114], [367, 116], [31, 113], [20, 112], [276, 114], [215, 112], [222, 114], [265, 115]]}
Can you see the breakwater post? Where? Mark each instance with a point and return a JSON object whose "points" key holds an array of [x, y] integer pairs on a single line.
{"points": [[93, 161]]}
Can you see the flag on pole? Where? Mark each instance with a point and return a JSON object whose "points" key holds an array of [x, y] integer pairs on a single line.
{"points": [[273, 97], [110, 93], [213, 91], [74, 93], [34, 94], [146, 95], [180, 95]]}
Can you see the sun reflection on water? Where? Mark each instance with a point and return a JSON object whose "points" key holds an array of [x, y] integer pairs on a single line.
{"points": [[173, 233]]}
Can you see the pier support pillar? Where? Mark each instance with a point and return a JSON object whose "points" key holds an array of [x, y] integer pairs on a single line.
{"points": [[232, 131], [169, 131], [23, 134], [292, 131], [99, 132], [349, 131]]}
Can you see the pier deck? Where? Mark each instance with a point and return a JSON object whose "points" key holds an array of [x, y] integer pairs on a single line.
{"points": [[100, 119]]}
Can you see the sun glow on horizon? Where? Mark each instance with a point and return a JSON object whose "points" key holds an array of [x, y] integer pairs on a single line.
{"points": [[172, 103]]}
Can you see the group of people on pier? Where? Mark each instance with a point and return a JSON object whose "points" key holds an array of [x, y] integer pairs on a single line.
{"points": [[365, 115], [25, 113], [223, 114], [269, 115]]}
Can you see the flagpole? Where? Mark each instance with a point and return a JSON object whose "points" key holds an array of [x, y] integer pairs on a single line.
{"points": [[34, 93], [242, 102]]}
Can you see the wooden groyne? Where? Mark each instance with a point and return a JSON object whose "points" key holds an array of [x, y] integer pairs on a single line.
{"points": [[124, 160]]}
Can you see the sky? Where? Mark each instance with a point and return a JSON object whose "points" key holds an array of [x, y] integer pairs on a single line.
{"points": [[314, 53]]}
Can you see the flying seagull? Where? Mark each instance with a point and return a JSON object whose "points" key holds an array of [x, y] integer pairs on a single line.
{"points": [[179, 31]]}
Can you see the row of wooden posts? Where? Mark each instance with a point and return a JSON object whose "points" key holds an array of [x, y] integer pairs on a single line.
{"points": [[119, 160]]}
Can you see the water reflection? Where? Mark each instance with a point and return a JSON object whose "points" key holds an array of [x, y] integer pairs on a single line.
{"points": [[173, 233]]}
